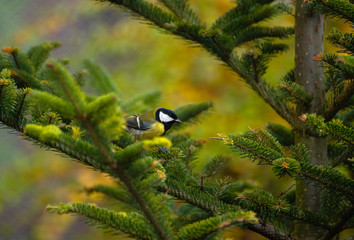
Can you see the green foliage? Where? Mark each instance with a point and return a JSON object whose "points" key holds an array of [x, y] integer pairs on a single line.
{"points": [[294, 93], [100, 78], [257, 145], [337, 66], [335, 128], [342, 9], [47, 103], [118, 193], [345, 41], [283, 135], [133, 224], [198, 198], [217, 164], [238, 19], [62, 117], [39, 54], [283, 166], [300, 153], [271, 208], [44, 134], [8, 93], [141, 103], [190, 112], [329, 178], [182, 10], [203, 228]]}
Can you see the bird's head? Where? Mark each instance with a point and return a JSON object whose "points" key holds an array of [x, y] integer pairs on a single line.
{"points": [[167, 117]]}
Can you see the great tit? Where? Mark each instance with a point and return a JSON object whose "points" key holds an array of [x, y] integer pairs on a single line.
{"points": [[151, 124]]}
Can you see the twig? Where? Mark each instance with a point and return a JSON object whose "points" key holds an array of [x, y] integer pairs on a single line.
{"points": [[286, 190], [267, 231]]}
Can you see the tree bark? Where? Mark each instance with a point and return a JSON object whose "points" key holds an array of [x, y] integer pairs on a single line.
{"points": [[309, 30]]}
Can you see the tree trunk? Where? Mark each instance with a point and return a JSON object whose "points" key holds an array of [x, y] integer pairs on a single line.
{"points": [[310, 75]]}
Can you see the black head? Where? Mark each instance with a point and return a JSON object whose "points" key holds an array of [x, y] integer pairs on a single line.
{"points": [[166, 117]]}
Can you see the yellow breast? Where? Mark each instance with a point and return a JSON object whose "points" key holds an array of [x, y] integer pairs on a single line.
{"points": [[155, 130]]}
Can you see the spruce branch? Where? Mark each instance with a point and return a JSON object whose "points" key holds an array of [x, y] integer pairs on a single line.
{"points": [[267, 231], [343, 9], [190, 113], [120, 194], [345, 41], [265, 203], [261, 87], [283, 135], [258, 32], [205, 227], [339, 66], [182, 10], [130, 223], [335, 128], [339, 102], [234, 20], [40, 53], [77, 99], [253, 148], [100, 78], [340, 225], [216, 207], [338, 130], [328, 177], [146, 10], [295, 93], [21, 68], [20, 110], [197, 198], [286, 8]]}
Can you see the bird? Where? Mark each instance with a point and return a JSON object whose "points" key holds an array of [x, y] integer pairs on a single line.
{"points": [[151, 124]]}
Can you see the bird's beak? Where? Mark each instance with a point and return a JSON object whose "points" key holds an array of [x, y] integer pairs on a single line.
{"points": [[177, 120]]}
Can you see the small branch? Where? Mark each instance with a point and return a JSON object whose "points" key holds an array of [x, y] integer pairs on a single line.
{"points": [[19, 111], [14, 57], [204, 200], [267, 231], [342, 157], [288, 213], [125, 179], [328, 183], [339, 102], [340, 225], [279, 108], [254, 66], [286, 190], [222, 207]]}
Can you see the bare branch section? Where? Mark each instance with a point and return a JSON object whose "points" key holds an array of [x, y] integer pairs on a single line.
{"points": [[268, 232]]}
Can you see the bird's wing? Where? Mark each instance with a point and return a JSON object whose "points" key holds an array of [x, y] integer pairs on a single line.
{"points": [[141, 122]]}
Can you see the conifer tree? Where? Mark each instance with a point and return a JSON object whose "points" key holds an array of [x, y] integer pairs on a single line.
{"points": [[41, 99]]}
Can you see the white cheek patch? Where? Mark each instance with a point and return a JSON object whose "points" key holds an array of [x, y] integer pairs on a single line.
{"points": [[165, 118]]}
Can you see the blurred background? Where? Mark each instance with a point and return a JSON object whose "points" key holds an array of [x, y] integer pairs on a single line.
{"points": [[140, 58]]}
